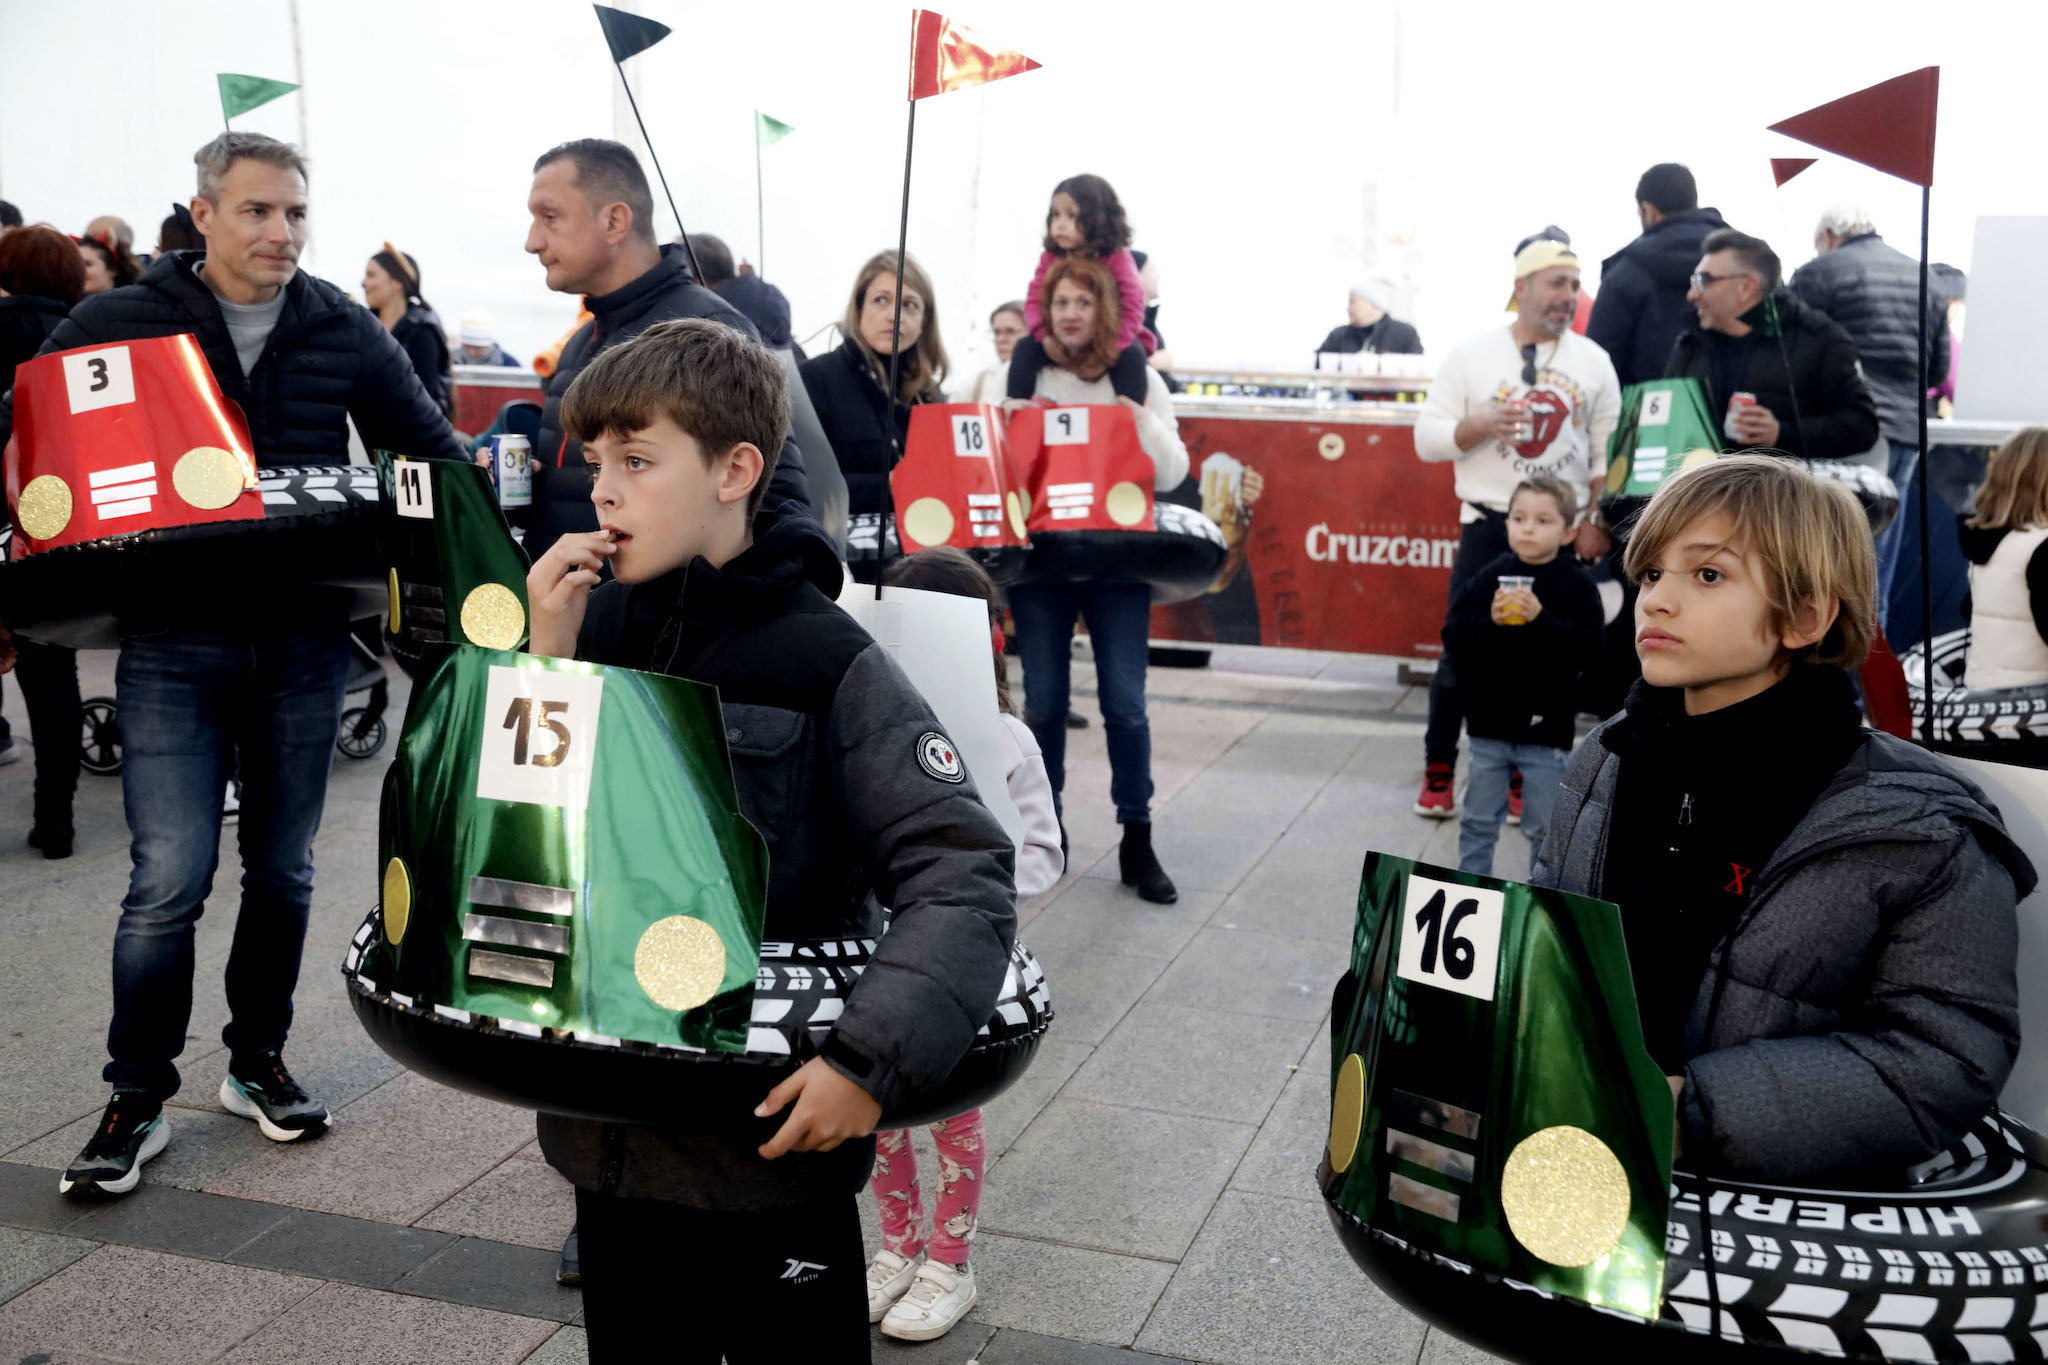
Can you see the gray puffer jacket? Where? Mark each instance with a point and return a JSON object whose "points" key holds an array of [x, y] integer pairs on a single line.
{"points": [[1873, 290], [1864, 1010]]}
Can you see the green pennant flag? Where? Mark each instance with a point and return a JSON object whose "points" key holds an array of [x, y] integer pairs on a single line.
{"points": [[239, 94], [769, 131], [628, 34]]}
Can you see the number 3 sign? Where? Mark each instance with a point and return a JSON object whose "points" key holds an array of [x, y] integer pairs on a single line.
{"points": [[539, 737], [1450, 936]]}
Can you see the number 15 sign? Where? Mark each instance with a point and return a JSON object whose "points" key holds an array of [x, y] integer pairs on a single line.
{"points": [[539, 736]]}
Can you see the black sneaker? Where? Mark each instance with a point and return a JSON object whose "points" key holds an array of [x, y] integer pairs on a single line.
{"points": [[132, 1129], [261, 1089]]}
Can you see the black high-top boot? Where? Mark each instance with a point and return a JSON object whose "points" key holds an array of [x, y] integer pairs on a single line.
{"points": [[1140, 866]]}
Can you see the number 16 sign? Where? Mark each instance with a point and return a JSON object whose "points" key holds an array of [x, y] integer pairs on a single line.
{"points": [[1450, 936]]}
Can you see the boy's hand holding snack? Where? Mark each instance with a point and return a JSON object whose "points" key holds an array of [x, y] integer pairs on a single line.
{"points": [[558, 589]]}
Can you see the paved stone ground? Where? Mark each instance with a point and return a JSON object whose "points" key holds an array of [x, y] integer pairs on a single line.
{"points": [[1150, 1193]]}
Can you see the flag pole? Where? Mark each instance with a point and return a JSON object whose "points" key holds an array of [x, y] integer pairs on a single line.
{"points": [[1920, 495], [896, 330], [760, 217], [688, 250]]}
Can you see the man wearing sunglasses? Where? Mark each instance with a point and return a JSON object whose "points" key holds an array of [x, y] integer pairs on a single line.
{"points": [[1532, 396], [1752, 337]]}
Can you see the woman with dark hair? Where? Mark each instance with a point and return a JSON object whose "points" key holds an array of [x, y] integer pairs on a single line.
{"points": [[391, 290], [42, 274], [847, 385], [1079, 300], [108, 264], [178, 232]]}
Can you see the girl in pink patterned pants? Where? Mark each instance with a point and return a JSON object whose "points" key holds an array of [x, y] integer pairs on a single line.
{"points": [[962, 1160]]}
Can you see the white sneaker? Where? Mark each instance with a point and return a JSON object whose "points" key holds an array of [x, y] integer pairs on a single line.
{"points": [[938, 1298], [889, 1277]]}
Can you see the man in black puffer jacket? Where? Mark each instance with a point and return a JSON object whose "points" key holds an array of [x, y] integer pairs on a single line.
{"points": [[1873, 290], [1753, 337], [252, 668], [1641, 308], [593, 229]]}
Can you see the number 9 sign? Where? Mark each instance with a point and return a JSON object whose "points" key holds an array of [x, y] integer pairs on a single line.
{"points": [[1450, 936]]}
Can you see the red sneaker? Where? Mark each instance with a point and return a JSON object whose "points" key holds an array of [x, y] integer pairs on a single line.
{"points": [[1436, 801], [1515, 798]]}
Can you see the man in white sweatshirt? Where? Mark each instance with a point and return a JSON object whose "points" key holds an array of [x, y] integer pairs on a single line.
{"points": [[1534, 395]]}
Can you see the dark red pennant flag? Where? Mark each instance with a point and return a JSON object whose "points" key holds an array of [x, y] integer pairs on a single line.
{"points": [[1785, 167], [1889, 126], [947, 56]]}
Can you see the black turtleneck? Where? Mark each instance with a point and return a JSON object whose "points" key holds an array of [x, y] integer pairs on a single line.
{"points": [[1701, 805]]}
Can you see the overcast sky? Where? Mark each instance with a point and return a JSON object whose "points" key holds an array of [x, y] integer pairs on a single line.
{"points": [[1250, 143]]}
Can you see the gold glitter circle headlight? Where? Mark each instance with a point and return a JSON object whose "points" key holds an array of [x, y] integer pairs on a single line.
{"points": [[1125, 504], [1565, 1195], [394, 601], [397, 900], [1695, 458], [207, 477], [44, 508], [1014, 503], [492, 617], [1331, 446], [928, 521], [1347, 1113], [680, 962]]}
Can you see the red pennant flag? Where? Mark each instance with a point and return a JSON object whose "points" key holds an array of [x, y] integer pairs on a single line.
{"points": [[1889, 126], [947, 56], [1785, 167]]}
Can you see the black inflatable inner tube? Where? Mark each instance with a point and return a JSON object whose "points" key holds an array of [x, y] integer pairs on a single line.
{"points": [[868, 545], [1874, 490], [319, 525], [1951, 1266], [2003, 724], [799, 992], [1179, 559]]}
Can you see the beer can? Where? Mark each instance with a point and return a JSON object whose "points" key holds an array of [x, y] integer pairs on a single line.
{"points": [[1736, 403], [512, 469]]}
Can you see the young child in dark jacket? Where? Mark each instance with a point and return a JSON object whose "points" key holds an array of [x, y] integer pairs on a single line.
{"points": [[755, 1244], [1820, 918], [1521, 631]]}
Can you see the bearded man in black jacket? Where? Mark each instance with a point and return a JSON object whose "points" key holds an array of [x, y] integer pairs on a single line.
{"points": [[593, 230], [252, 668]]}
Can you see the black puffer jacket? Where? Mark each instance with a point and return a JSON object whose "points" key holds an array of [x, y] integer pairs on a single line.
{"points": [[824, 730], [561, 491], [1803, 370], [1388, 336], [26, 322], [765, 306], [419, 332], [854, 414], [1641, 308], [1873, 291], [328, 360]]}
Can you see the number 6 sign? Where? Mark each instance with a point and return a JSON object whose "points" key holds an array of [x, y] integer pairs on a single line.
{"points": [[539, 736], [1450, 936]]}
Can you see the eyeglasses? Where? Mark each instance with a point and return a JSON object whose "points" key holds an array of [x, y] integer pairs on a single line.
{"points": [[1529, 366], [1702, 278]]}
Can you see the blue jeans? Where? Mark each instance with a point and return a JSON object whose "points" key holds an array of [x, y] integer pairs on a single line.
{"points": [[186, 701], [1118, 616], [1486, 797], [1892, 546]]}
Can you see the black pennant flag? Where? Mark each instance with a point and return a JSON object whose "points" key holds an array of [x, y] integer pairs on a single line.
{"points": [[628, 34]]}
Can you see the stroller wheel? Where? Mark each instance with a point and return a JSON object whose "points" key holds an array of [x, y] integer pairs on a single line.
{"points": [[100, 746], [362, 733]]}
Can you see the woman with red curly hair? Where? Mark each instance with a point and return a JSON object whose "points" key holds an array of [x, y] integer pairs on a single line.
{"points": [[1080, 303]]}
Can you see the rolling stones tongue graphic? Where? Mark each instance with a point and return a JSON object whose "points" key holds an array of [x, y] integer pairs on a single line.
{"points": [[1549, 412]]}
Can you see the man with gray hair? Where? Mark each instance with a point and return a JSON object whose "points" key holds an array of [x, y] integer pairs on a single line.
{"points": [[1873, 290], [1371, 327], [251, 669]]}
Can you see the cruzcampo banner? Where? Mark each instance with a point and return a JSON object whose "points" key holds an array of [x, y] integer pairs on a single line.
{"points": [[456, 574], [1665, 425], [1492, 1101], [561, 847]]}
